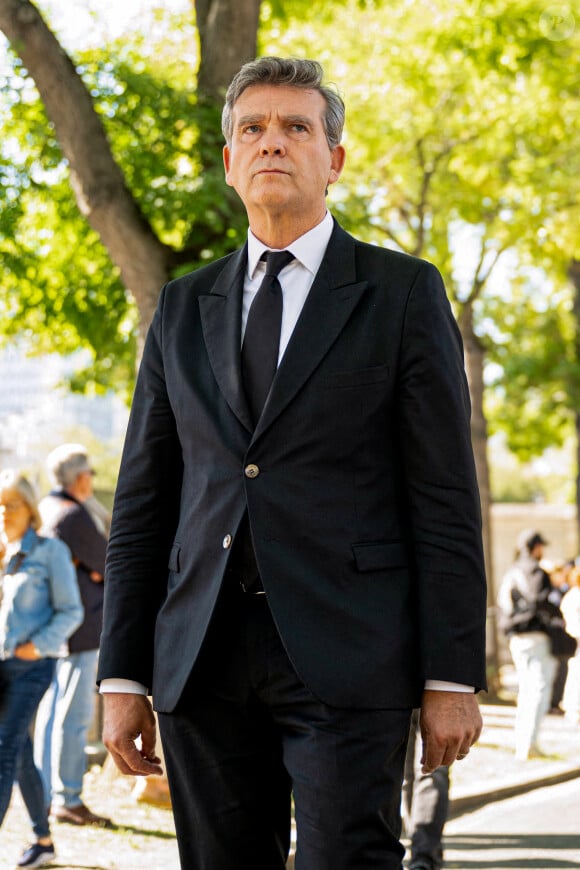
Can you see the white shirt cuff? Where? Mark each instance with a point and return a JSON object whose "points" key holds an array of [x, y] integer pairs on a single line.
{"points": [[443, 686], [116, 684]]}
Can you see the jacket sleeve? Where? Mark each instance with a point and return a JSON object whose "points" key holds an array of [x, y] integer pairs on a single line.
{"points": [[441, 487], [65, 599], [144, 519]]}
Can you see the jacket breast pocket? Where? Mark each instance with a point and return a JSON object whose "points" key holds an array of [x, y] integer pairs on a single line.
{"points": [[356, 377], [376, 556]]}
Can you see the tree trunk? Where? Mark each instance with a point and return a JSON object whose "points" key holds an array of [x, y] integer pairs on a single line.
{"points": [[227, 35], [577, 432], [474, 360], [98, 183], [574, 275]]}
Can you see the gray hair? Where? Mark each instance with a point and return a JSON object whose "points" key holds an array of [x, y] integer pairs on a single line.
{"points": [[66, 462], [13, 480], [294, 72]]}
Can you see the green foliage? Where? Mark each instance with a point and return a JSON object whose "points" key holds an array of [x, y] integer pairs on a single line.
{"points": [[169, 147], [458, 114], [534, 395], [59, 286], [548, 479]]}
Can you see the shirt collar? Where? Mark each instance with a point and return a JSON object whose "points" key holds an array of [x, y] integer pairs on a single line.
{"points": [[308, 249], [24, 545]]}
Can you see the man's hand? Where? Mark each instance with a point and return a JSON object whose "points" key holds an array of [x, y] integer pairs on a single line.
{"points": [[127, 717], [450, 724]]}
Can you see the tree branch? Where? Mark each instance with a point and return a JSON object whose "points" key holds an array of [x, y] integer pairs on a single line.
{"points": [[388, 232]]}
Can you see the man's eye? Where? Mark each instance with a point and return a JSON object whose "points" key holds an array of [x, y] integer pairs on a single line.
{"points": [[252, 128], [299, 128]]}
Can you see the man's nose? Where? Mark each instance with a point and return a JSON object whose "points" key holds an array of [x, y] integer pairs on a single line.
{"points": [[272, 144]]}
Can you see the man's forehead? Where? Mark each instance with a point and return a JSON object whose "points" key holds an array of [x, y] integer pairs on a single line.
{"points": [[263, 98]]}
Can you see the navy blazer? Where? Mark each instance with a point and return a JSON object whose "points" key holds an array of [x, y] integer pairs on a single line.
{"points": [[362, 496]]}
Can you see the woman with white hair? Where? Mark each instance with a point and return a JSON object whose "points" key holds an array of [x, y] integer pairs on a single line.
{"points": [[40, 608]]}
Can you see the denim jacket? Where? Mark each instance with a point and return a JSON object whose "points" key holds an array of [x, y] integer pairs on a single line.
{"points": [[40, 597]]}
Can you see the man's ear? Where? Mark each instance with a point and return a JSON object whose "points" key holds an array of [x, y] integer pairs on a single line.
{"points": [[227, 156], [337, 158]]}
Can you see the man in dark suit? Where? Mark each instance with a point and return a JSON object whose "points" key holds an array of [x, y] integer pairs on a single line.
{"points": [[293, 566]]}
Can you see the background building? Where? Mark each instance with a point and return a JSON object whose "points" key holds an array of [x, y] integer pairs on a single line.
{"points": [[37, 411]]}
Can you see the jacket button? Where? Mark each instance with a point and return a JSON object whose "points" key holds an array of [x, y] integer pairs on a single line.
{"points": [[227, 542], [251, 471]]}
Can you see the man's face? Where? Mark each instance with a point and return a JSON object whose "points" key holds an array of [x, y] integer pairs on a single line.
{"points": [[84, 484], [279, 160], [538, 551]]}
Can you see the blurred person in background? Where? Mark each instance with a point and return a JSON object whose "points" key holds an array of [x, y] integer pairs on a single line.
{"points": [[571, 611], [559, 578], [66, 712], [40, 609], [524, 591]]}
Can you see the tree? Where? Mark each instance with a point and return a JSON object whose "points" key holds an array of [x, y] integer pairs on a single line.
{"points": [[144, 260]]}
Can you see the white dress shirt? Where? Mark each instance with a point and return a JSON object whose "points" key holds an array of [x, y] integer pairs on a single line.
{"points": [[295, 279]]}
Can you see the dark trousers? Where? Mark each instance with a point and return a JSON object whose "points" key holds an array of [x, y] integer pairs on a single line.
{"points": [[425, 802], [559, 681], [247, 734]]}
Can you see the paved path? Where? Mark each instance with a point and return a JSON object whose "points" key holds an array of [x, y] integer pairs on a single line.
{"points": [[539, 829]]}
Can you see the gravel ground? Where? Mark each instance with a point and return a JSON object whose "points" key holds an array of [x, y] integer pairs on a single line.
{"points": [[144, 839]]}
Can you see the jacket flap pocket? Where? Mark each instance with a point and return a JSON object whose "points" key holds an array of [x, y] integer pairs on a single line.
{"points": [[174, 558], [373, 557], [357, 377]]}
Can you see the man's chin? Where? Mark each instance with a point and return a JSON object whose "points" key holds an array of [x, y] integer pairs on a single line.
{"points": [[271, 198]]}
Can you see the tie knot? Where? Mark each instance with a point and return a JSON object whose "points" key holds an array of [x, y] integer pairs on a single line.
{"points": [[276, 260]]}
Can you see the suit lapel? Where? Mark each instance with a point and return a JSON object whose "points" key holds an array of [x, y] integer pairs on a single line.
{"points": [[330, 303], [221, 319]]}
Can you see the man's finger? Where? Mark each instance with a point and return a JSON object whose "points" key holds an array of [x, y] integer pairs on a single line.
{"points": [[148, 741], [130, 760], [435, 755]]}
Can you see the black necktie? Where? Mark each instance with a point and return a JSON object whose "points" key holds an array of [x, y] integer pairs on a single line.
{"points": [[262, 337]]}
